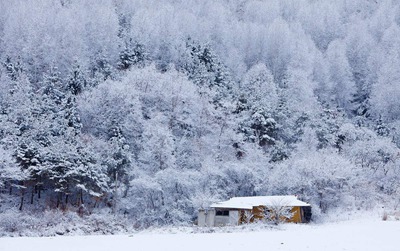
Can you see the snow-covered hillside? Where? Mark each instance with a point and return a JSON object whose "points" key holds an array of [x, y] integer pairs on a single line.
{"points": [[150, 109], [355, 235]]}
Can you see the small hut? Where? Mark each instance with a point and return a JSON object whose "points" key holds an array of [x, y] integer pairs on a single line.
{"points": [[241, 210]]}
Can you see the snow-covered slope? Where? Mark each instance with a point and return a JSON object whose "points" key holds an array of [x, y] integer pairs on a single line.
{"points": [[363, 235]]}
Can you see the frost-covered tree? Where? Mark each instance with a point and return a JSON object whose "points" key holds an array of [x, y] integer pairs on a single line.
{"points": [[341, 79], [205, 69], [10, 173], [44, 133], [328, 186], [133, 53], [257, 102], [13, 70], [77, 81], [360, 43], [384, 98]]}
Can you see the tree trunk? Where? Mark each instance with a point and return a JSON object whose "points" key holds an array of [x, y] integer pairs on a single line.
{"points": [[40, 187], [78, 200], [81, 197], [32, 194], [59, 198], [114, 208], [58, 201], [22, 199]]}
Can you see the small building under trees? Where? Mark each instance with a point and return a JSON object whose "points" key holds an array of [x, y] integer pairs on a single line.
{"points": [[242, 210]]}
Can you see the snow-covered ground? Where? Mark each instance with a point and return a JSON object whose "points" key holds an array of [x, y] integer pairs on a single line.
{"points": [[353, 235]]}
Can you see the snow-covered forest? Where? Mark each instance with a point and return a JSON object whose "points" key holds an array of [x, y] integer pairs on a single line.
{"points": [[153, 109]]}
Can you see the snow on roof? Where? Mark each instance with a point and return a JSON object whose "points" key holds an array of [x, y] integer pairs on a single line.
{"points": [[268, 201]]}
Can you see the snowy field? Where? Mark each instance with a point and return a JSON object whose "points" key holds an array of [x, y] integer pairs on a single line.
{"points": [[363, 235]]}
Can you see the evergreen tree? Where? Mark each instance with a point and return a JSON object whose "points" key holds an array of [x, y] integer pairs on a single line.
{"points": [[256, 106], [13, 70], [327, 126], [132, 54], [50, 149], [205, 69], [381, 128], [101, 68], [360, 43], [118, 163], [77, 81]]}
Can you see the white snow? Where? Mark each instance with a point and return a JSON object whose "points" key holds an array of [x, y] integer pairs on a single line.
{"points": [[354, 235], [250, 202]]}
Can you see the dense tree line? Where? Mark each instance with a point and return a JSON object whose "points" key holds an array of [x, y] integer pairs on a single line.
{"points": [[153, 109]]}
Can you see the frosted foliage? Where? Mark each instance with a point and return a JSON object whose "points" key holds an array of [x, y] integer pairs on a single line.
{"points": [[328, 186], [279, 46], [359, 44], [341, 79], [105, 107], [60, 35], [159, 154], [323, 21], [309, 141], [384, 96], [299, 92], [376, 154], [259, 87], [383, 18], [9, 171], [261, 12]]}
